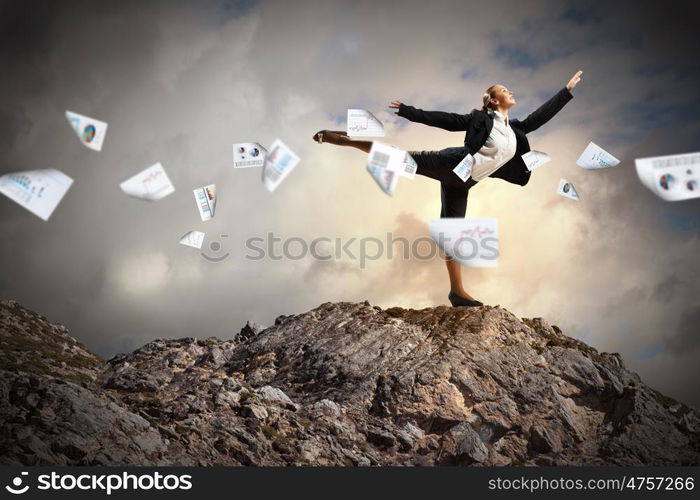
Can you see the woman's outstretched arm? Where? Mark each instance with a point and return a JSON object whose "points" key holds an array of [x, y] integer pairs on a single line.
{"points": [[550, 108], [453, 122]]}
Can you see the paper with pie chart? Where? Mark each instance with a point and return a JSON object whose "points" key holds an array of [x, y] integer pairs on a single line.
{"points": [[39, 191], [248, 154], [567, 190], [90, 131], [151, 184], [671, 178]]}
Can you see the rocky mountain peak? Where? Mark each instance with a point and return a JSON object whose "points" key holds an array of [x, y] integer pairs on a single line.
{"points": [[342, 384]]}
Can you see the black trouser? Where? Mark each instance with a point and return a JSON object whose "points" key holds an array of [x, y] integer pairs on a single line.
{"points": [[438, 165]]}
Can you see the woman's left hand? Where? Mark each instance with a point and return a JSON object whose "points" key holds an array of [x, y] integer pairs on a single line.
{"points": [[574, 80]]}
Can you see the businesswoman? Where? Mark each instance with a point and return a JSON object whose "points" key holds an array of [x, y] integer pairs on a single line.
{"points": [[496, 143]]}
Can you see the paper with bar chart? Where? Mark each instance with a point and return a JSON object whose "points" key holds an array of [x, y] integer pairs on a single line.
{"points": [[206, 201], [39, 191]]}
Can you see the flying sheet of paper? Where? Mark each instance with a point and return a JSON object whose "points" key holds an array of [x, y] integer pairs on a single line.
{"points": [[595, 157], [248, 154], [384, 156], [362, 123], [471, 242], [386, 179], [385, 164], [567, 190], [464, 168], [406, 167], [39, 191], [410, 167], [206, 201], [151, 184], [534, 159], [279, 162], [193, 239], [673, 177], [91, 132]]}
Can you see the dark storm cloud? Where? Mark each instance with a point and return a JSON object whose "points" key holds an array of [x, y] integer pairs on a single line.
{"points": [[687, 334], [668, 289], [24, 36]]}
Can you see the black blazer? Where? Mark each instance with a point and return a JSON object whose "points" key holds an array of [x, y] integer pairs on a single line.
{"points": [[478, 125]]}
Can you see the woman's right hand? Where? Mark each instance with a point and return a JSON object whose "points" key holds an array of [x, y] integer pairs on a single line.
{"points": [[395, 105]]}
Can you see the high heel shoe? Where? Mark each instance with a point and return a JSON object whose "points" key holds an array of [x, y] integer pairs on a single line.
{"points": [[457, 301], [318, 136]]}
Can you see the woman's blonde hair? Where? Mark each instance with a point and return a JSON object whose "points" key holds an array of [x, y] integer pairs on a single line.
{"points": [[486, 99]]}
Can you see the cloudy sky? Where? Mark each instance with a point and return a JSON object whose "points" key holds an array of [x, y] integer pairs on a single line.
{"points": [[180, 82]]}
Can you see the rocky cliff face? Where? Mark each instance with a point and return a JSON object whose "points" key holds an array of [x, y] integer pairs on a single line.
{"points": [[343, 384]]}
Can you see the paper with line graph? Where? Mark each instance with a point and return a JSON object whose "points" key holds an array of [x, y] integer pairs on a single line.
{"points": [[39, 191], [151, 184], [206, 201], [279, 162], [362, 123], [471, 242], [534, 159]]}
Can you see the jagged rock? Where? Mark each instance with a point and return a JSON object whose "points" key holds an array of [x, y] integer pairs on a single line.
{"points": [[466, 444], [250, 330], [543, 440], [325, 407], [343, 384], [227, 398], [132, 380], [254, 411], [380, 437], [274, 395]]}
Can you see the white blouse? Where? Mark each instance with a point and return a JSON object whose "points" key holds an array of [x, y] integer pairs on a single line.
{"points": [[497, 151]]}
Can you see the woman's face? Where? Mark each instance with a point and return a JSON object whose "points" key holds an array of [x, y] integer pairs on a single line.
{"points": [[502, 97]]}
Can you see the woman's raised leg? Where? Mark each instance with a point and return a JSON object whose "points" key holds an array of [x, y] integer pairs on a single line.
{"points": [[340, 139]]}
